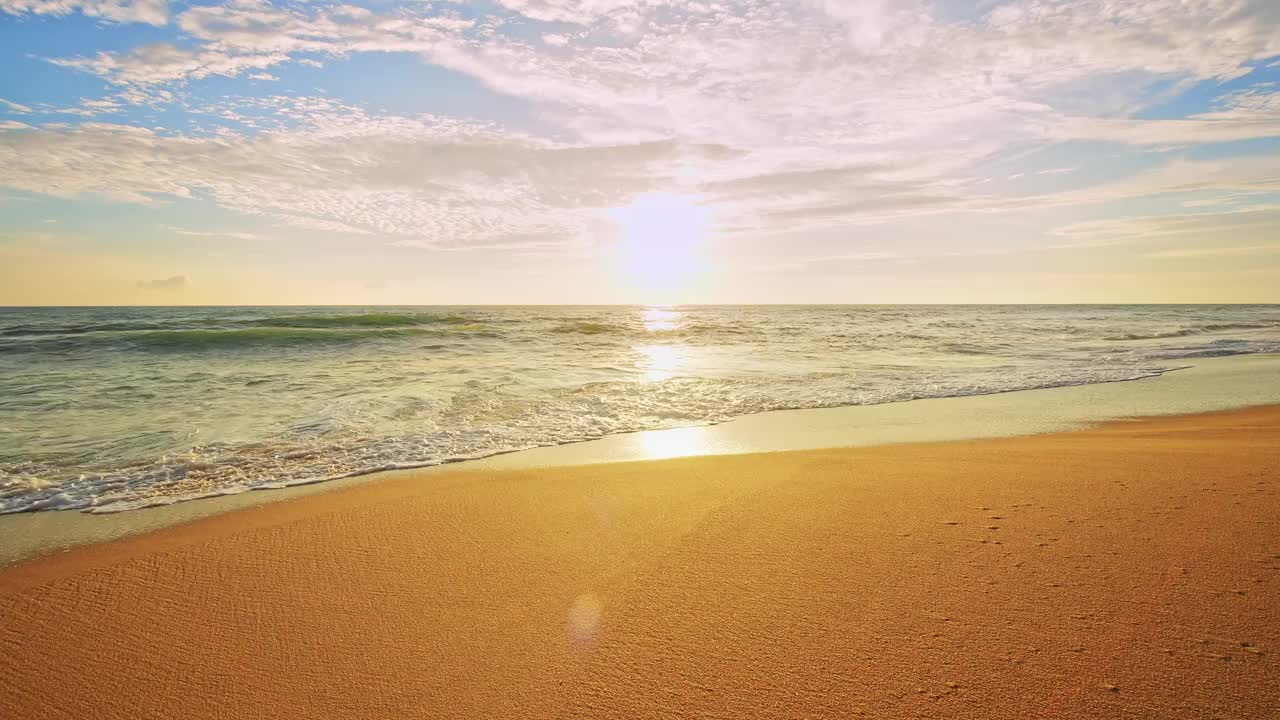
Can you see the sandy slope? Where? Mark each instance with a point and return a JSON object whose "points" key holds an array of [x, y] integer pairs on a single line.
{"points": [[1129, 571]]}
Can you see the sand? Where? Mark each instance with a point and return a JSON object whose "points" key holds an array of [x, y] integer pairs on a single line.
{"points": [[1128, 571], [1207, 385]]}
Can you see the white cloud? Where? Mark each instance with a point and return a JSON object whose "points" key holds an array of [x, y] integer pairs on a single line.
{"points": [[877, 24], [153, 12], [581, 12], [246, 35], [14, 107], [210, 233], [164, 62], [254, 27], [1244, 115], [789, 114], [429, 180]]}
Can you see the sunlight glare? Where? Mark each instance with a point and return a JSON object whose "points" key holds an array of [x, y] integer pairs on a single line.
{"points": [[677, 442], [662, 237], [657, 319], [660, 362]]}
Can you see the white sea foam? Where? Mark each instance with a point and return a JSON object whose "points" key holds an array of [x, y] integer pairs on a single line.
{"points": [[215, 401]]}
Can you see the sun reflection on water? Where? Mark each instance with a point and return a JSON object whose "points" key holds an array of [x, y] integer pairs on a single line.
{"points": [[661, 362], [658, 319], [677, 442]]}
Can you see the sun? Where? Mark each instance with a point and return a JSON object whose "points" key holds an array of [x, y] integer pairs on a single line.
{"points": [[662, 238]]}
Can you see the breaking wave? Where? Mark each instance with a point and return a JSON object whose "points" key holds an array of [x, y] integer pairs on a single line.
{"points": [[109, 409]]}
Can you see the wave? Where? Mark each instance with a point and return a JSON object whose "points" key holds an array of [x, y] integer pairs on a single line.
{"points": [[39, 330], [586, 328], [276, 336], [364, 320], [572, 414], [213, 339], [1234, 326], [1184, 332], [691, 331], [355, 321], [209, 333]]}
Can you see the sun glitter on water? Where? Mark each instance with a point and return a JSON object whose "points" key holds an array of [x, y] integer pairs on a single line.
{"points": [[659, 319], [662, 239], [660, 362]]}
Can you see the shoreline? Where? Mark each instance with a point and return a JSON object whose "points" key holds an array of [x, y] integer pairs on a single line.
{"points": [[1125, 570], [1203, 385]]}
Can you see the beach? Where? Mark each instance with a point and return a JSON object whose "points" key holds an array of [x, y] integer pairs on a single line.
{"points": [[1126, 570], [639, 360]]}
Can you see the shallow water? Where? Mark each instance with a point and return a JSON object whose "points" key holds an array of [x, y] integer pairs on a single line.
{"points": [[108, 409]]}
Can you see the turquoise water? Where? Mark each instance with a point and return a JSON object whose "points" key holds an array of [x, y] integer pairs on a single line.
{"points": [[109, 409]]}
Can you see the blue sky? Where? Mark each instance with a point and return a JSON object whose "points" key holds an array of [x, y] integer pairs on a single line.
{"points": [[639, 151]]}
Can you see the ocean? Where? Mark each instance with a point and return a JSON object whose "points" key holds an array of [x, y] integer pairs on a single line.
{"points": [[111, 409]]}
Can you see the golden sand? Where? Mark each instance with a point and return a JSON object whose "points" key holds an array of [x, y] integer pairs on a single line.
{"points": [[1130, 571]]}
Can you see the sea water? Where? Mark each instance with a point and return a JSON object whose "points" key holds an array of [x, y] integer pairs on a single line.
{"points": [[110, 409]]}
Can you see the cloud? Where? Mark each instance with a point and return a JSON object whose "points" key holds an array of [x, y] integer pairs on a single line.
{"points": [[433, 180], [169, 284], [259, 28], [210, 233], [14, 107], [165, 62], [1217, 251], [582, 12], [246, 36], [876, 24], [1257, 221], [1243, 116], [789, 115], [153, 12]]}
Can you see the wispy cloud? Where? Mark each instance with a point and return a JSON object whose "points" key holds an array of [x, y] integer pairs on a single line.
{"points": [[14, 107], [1208, 229], [169, 284], [153, 12], [1217, 251], [787, 116], [211, 233]]}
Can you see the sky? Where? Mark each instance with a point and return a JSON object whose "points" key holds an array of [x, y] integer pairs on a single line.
{"points": [[639, 151]]}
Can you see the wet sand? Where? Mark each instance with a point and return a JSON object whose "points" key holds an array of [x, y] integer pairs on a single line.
{"points": [[1209, 385], [1131, 570]]}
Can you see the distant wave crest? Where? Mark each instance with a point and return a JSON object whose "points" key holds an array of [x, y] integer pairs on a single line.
{"points": [[586, 328], [1184, 332], [198, 339], [211, 332], [363, 320]]}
